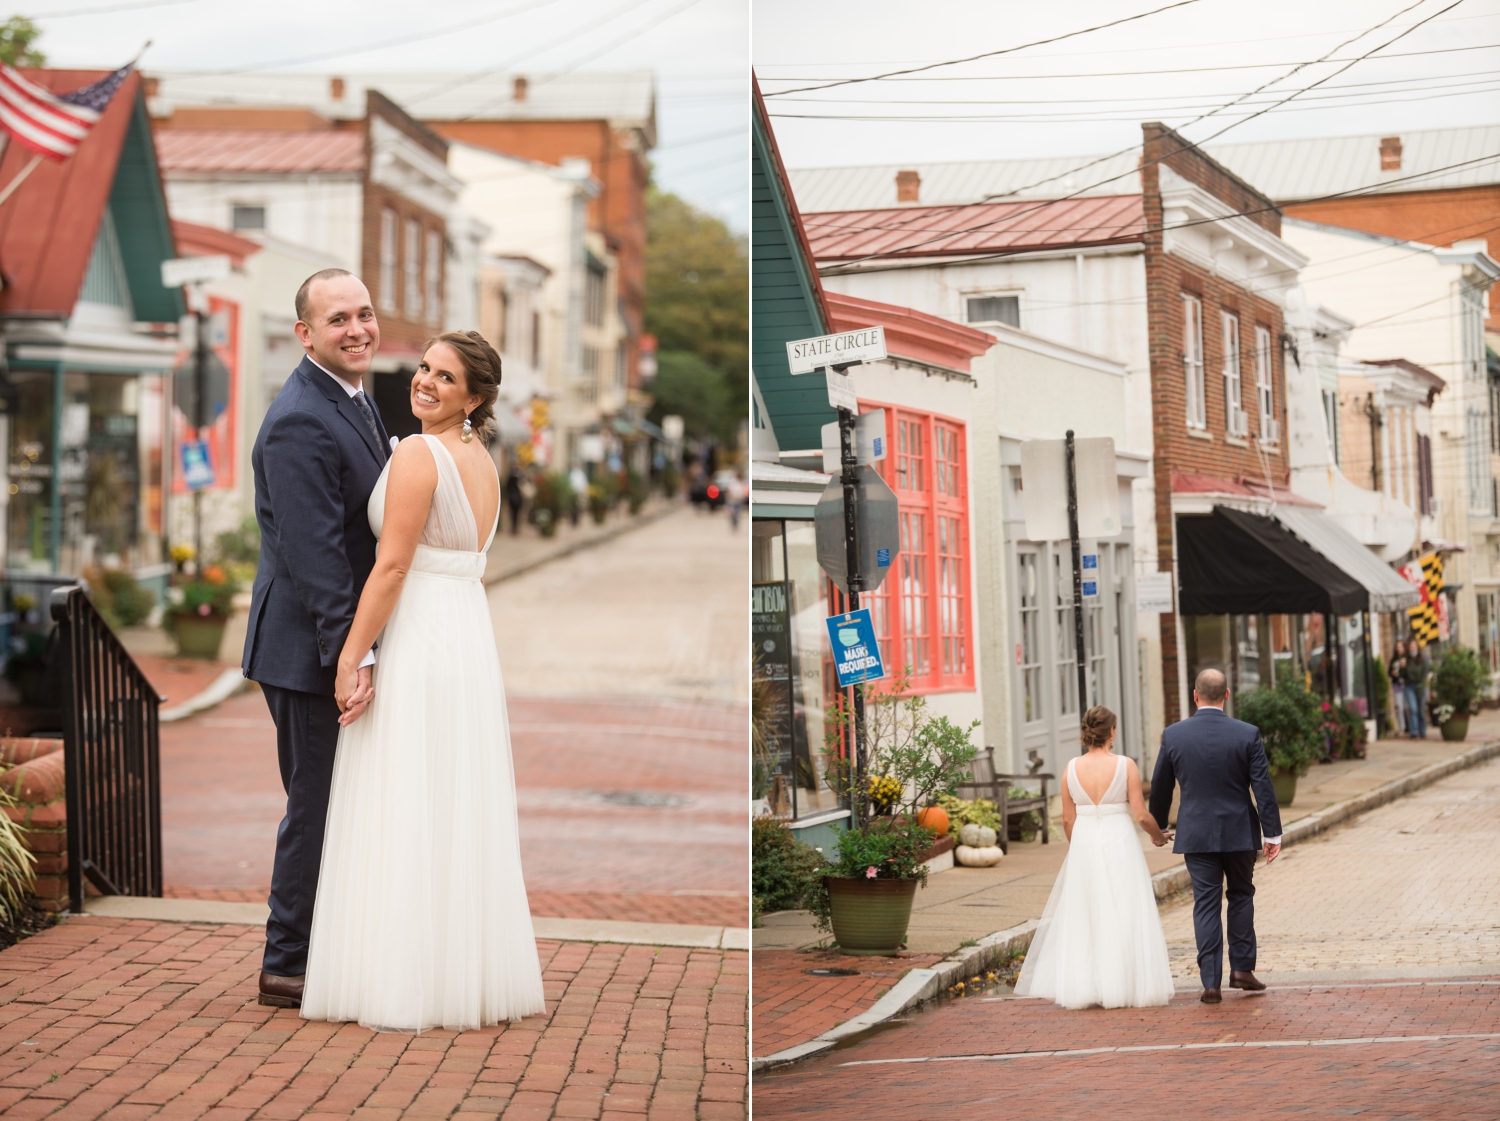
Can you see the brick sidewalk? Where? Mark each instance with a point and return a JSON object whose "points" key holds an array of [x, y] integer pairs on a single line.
{"points": [[791, 1006], [1249, 1055], [135, 1019]]}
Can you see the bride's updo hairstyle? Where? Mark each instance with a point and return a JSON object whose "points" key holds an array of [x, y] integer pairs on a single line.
{"points": [[481, 373], [1098, 723]]}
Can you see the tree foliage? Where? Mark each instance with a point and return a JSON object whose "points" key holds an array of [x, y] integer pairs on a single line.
{"points": [[17, 36], [698, 307]]}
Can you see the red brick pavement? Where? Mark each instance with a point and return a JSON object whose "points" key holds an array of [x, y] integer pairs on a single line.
{"points": [[1220, 1072], [127, 1019], [791, 1006], [624, 805], [179, 679]]}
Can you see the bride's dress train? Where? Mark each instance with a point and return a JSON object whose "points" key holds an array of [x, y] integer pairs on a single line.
{"points": [[421, 918], [1100, 940]]}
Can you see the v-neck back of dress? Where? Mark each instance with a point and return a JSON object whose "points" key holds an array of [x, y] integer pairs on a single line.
{"points": [[451, 523]]}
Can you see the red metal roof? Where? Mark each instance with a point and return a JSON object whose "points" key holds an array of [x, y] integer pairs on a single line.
{"points": [[1187, 482], [259, 150], [945, 231], [47, 228], [910, 333], [194, 240]]}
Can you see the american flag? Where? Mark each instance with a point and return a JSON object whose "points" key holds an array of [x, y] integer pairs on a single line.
{"points": [[53, 124]]}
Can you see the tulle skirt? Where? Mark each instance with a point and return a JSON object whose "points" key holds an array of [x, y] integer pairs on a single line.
{"points": [[421, 918], [1100, 940]]}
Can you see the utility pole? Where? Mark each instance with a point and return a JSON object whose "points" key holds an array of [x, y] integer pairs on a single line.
{"points": [[1077, 580], [850, 480], [200, 418]]}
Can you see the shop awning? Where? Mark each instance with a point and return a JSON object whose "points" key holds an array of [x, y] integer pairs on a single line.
{"points": [[510, 429], [1388, 591], [1235, 563]]}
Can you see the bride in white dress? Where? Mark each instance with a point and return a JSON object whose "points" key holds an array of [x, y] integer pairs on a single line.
{"points": [[1100, 940], [421, 918]]}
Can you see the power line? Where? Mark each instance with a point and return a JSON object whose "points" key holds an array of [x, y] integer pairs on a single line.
{"points": [[1133, 73], [1204, 116], [110, 8], [993, 54]]}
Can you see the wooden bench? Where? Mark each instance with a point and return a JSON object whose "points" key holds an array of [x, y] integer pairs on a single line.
{"points": [[996, 788]]}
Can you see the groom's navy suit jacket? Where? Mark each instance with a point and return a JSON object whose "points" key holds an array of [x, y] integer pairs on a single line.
{"points": [[315, 462], [1217, 761]]}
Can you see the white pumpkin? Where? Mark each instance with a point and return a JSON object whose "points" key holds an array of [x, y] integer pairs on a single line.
{"points": [[977, 836], [977, 856]]}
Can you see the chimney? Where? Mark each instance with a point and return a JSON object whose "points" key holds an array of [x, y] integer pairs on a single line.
{"points": [[336, 88], [519, 90], [153, 85], [908, 186], [1390, 153]]}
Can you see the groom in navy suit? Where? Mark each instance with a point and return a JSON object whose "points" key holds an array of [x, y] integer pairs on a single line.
{"points": [[1218, 761], [319, 454]]}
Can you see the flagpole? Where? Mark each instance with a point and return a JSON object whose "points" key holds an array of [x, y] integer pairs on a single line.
{"points": [[16, 182]]}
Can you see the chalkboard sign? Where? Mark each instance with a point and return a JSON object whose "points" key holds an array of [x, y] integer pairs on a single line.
{"points": [[771, 657]]}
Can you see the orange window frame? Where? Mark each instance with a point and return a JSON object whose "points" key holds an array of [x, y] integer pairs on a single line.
{"points": [[923, 611]]}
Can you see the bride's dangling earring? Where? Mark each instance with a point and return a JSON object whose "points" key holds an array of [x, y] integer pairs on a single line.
{"points": [[468, 433]]}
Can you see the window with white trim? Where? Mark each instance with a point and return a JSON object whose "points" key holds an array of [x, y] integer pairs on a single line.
{"points": [[388, 259], [432, 267], [1471, 328], [1235, 421], [1265, 393], [1477, 458], [1192, 360], [411, 270]]}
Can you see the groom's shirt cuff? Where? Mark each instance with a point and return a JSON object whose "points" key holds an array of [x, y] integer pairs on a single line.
{"points": [[1267, 840], [370, 661]]}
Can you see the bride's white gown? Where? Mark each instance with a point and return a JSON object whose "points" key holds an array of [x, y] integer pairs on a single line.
{"points": [[421, 917], [1100, 940]]}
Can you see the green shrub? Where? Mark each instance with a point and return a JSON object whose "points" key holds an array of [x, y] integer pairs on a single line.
{"points": [[1290, 719], [1344, 732], [1382, 691], [118, 596], [554, 497], [783, 870], [1458, 679], [887, 848], [979, 811], [240, 546]]}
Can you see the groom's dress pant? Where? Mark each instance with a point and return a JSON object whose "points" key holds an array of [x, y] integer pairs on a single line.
{"points": [[307, 736], [1210, 871]]}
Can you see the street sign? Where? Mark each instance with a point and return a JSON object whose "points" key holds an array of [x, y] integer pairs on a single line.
{"points": [[869, 441], [867, 344], [1153, 593], [856, 654], [879, 530], [1090, 575], [1044, 487], [197, 469], [193, 270], [841, 393]]}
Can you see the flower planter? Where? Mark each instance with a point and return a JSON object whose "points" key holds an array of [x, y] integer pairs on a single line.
{"points": [[870, 917], [199, 636], [1456, 729], [1285, 785]]}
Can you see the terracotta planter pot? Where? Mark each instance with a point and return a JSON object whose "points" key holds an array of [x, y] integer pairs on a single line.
{"points": [[1285, 784], [870, 917], [199, 636], [1456, 729]]}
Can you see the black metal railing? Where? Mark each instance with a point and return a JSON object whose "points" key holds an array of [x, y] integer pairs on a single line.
{"points": [[112, 756]]}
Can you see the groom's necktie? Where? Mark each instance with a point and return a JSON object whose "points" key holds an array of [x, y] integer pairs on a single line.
{"points": [[362, 403]]}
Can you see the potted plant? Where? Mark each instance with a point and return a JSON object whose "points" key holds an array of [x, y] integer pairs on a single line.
{"points": [[1290, 719], [1457, 681], [635, 491], [554, 497], [914, 760], [200, 611]]}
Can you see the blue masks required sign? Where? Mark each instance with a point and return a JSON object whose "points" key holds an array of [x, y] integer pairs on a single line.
{"points": [[856, 654]]}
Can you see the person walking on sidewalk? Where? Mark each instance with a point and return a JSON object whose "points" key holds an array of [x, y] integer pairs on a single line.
{"points": [[1218, 761], [1396, 671], [515, 498], [1418, 669]]}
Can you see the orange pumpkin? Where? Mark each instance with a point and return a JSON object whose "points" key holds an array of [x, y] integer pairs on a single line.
{"points": [[934, 818]]}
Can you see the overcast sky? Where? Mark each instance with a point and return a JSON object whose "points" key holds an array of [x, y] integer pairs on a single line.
{"points": [[698, 49], [1069, 98]]}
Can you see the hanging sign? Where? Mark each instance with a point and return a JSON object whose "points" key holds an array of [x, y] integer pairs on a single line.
{"points": [[1153, 593], [1090, 575], [856, 654]]}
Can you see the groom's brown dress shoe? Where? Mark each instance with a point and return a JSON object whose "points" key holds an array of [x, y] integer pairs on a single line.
{"points": [[1244, 979], [1211, 996], [280, 992]]}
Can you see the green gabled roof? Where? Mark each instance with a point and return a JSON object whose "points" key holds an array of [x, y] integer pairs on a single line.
{"points": [[786, 300], [138, 204]]}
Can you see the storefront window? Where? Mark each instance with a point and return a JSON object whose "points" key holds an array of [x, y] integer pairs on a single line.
{"points": [[111, 472], [1029, 650]]}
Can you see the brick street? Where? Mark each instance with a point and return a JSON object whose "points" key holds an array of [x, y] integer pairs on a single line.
{"points": [[1381, 945]]}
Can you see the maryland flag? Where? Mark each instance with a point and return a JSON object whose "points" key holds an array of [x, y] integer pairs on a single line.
{"points": [[1427, 575]]}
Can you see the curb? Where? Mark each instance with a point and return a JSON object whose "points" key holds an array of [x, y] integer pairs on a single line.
{"points": [[226, 685], [923, 984], [557, 930], [639, 521]]}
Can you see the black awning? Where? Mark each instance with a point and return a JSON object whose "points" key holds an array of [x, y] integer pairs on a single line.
{"points": [[1234, 563]]}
